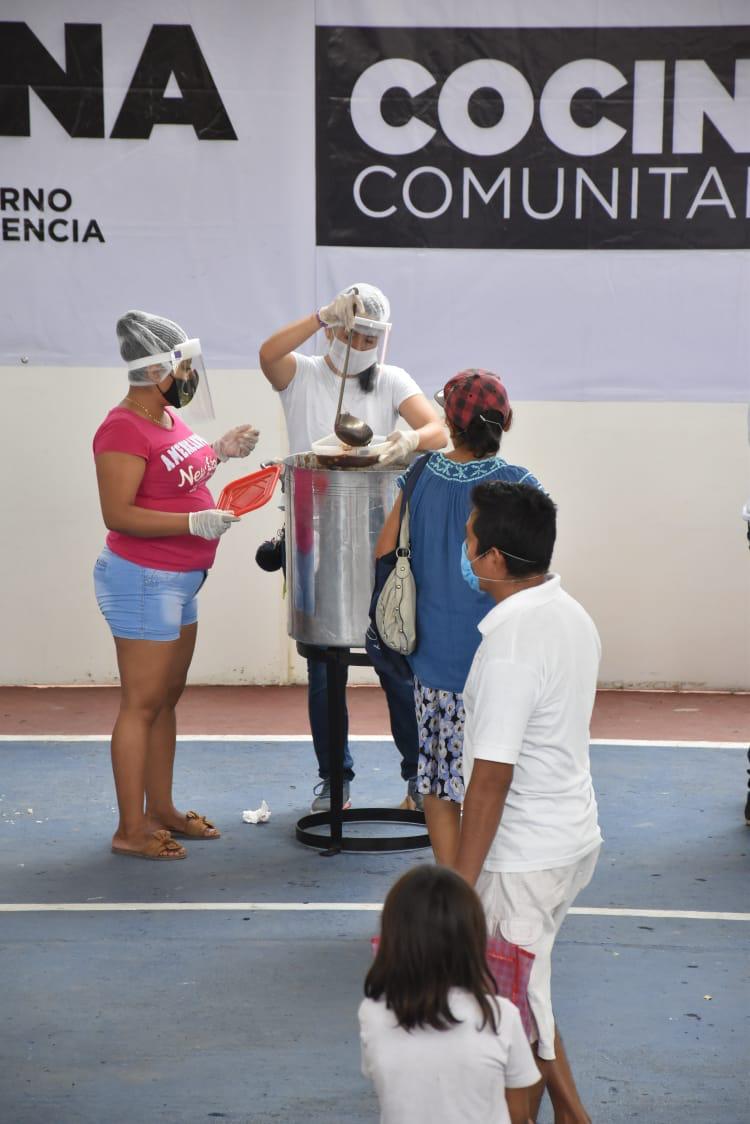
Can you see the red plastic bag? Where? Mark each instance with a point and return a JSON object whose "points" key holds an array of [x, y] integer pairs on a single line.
{"points": [[510, 966]]}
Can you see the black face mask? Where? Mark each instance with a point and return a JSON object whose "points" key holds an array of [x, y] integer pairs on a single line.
{"points": [[181, 391]]}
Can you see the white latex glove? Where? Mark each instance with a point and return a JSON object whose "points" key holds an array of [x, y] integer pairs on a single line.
{"points": [[340, 313], [211, 524], [238, 442], [401, 445]]}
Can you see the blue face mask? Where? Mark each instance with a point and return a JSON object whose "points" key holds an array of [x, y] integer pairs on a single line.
{"points": [[467, 571]]}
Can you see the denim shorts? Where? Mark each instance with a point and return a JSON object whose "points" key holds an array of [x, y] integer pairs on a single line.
{"points": [[142, 604]]}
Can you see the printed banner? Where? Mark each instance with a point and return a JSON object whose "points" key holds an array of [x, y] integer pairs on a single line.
{"points": [[534, 138], [232, 167], [144, 165]]}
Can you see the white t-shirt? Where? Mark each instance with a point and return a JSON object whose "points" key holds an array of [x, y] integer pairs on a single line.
{"points": [[311, 398], [528, 700], [456, 1076]]}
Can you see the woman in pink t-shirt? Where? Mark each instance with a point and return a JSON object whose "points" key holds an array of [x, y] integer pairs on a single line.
{"points": [[164, 528]]}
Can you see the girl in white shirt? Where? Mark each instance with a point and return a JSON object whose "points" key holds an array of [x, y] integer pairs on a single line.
{"points": [[437, 1042]]}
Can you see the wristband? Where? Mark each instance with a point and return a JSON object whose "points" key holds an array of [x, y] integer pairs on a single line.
{"points": [[321, 323]]}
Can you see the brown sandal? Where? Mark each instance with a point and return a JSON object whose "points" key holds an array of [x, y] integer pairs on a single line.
{"points": [[161, 847], [195, 827]]}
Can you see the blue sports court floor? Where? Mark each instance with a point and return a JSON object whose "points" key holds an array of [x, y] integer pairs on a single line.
{"points": [[226, 987]]}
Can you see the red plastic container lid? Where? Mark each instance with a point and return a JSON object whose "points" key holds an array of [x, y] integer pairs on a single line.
{"points": [[250, 492]]}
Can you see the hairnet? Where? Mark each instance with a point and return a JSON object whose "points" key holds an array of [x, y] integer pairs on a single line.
{"points": [[377, 305], [141, 334]]}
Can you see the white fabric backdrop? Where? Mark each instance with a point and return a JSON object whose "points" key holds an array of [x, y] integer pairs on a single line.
{"points": [[220, 235], [643, 325]]}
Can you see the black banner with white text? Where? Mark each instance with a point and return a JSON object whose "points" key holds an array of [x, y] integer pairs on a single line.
{"points": [[534, 138]]}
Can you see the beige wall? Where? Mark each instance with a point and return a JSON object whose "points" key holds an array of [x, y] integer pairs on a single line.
{"points": [[650, 538]]}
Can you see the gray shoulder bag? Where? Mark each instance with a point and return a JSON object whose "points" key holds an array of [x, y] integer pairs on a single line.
{"points": [[396, 605]]}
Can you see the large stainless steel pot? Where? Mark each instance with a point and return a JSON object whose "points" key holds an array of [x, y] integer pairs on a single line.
{"points": [[333, 519]]}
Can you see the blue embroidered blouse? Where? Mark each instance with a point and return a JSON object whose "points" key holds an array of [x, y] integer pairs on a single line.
{"points": [[448, 610]]}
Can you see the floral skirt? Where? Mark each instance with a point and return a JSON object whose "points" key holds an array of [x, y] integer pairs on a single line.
{"points": [[440, 720]]}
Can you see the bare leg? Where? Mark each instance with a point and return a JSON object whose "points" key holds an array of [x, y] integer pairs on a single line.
{"points": [[561, 1087], [145, 671], [443, 819], [160, 809], [162, 742]]}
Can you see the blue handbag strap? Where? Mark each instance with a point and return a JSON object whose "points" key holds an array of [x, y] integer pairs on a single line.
{"points": [[409, 486]]}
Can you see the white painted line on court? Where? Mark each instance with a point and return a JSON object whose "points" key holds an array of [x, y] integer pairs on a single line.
{"points": [[184, 738], [675, 914], [251, 739], [188, 907], [321, 907], [668, 744]]}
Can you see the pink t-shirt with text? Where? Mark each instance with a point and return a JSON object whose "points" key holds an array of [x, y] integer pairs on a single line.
{"points": [[178, 464]]}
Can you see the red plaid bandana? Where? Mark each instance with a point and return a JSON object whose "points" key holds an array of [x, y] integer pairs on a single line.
{"points": [[473, 392]]}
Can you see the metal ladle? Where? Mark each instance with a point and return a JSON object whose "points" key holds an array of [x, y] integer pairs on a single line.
{"points": [[350, 430]]}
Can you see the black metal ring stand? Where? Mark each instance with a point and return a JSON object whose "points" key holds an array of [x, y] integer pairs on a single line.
{"points": [[337, 660]]}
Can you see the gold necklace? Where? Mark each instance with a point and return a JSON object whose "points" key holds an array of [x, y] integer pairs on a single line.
{"points": [[146, 412]]}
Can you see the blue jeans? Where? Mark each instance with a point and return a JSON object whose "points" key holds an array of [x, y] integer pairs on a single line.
{"points": [[399, 695]]}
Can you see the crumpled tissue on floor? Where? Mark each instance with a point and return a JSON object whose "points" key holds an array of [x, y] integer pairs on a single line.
{"points": [[257, 815]]}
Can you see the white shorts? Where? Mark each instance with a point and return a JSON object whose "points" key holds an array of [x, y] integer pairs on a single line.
{"points": [[527, 908]]}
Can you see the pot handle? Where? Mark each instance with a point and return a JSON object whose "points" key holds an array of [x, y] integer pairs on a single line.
{"points": [[284, 470]]}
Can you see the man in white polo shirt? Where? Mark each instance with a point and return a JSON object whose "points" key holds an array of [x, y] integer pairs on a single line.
{"points": [[530, 835]]}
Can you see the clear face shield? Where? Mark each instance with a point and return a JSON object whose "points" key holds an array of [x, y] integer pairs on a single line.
{"points": [[181, 376], [368, 350]]}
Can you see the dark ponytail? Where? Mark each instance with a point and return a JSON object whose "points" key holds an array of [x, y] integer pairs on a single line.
{"points": [[483, 433], [367, 378]]}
